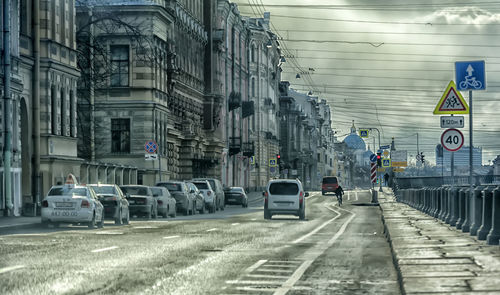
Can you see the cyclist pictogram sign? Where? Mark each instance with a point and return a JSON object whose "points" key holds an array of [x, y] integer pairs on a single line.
{"points": [[470, 75], [451, 102], [150, 146]]}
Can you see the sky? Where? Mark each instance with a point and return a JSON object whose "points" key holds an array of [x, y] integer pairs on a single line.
{"points": [[386, 64]]}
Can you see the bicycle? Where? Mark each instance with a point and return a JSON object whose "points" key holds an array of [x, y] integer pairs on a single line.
{"points": [[470, 81], [339, 198]]}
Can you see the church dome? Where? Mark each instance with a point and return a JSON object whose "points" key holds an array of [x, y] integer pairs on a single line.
{"points": [[353, 141]]}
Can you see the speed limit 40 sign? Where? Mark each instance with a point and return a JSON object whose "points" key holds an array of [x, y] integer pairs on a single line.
{"points": [[452, 139]]}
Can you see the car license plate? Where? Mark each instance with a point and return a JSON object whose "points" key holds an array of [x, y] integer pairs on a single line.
{"points": [[231, 200], [64, 213], [131, 202], [64, 204]]}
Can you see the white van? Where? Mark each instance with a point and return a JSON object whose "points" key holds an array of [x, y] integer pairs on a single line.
{"points": [[285, 196]]}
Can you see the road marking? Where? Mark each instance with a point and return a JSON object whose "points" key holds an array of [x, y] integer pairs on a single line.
{"points": [[253, 219], [10, 268], [20, 224], [318, 228], [171, 237], [314, 254], [348, 196], [212, 229], [235, 223], [104, 249], [356, 193], [255, 266]]}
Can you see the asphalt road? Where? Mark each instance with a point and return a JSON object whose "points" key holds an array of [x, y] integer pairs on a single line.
{"points": [[336, 250]]}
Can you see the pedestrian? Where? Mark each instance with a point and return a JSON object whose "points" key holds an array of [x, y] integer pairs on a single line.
{"points": [[386, 179]]}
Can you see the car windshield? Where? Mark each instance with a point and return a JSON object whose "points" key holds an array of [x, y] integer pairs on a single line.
{"points": [[201, 185], [134, 190], [109, 190], [235, 190], [172, 187], [61, 191], [283, 188], [330, 180]]}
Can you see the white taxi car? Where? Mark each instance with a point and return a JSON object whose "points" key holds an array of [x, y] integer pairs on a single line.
{"points": [[70, 203]]}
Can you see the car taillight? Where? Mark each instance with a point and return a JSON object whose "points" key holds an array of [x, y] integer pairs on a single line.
{"points": [[301, 197], [85, 204], [160, 202], [209, 193], [45, 204], [265, 198]]}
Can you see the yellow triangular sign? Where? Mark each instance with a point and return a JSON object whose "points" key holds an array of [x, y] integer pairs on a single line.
{"points": [[452, 102]]}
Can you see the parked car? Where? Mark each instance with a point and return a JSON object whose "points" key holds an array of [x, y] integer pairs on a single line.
{"points": [[329, 184], [200, 204], [166, 203], [141, 201], [216, 186], [114, 202], [236, 196], [179, 190], [72, 203], [284, 196]]}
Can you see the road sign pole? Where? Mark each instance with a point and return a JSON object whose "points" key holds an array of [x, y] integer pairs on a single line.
{"points": [[471, 167]]}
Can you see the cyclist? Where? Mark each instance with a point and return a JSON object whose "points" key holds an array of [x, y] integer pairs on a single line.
{"points": [[339, 192]]}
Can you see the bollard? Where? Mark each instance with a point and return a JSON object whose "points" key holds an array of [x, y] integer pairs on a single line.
{"points": [[461, 208], [412, 197], [442, 201], [453, 206], [476, 210], [467, 218], [485, 227], [437, 201], [447, 214], [374, 197], [427, 206], [494, 235], [423, 204]]}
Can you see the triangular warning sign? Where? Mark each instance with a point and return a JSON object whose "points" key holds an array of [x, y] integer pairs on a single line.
{"points": [[452, 102]]}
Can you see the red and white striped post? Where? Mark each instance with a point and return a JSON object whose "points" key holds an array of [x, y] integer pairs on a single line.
{"points": [[373, 173]]}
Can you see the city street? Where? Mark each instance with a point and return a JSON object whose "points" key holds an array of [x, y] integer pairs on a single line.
{"points": [[339, 250]]}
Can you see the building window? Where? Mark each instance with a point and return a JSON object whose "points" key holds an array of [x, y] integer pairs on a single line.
{"points": [[53, 101], [72, 113], [119, 65], [253, 87], [252, 53], [120, 135], [63, 113]]}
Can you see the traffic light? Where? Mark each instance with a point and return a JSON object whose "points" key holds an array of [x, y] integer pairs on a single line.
{"points": [[379, 159], [422, 157], [278, 158]]}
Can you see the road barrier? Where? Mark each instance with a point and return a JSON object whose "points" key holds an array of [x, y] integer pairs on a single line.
{"points": [[477, 213]]}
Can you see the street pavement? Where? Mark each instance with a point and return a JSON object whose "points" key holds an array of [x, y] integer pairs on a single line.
{"points": [[336, 250], [434, 258]]}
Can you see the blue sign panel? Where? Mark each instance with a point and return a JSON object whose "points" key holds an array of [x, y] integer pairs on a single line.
{"points": [[384, 147], [373, 158], [470, 75]]}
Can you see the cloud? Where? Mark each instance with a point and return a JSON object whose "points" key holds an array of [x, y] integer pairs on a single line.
{"points": [[463, 15]]}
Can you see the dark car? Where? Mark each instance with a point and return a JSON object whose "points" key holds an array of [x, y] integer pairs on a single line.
{"points": [[236, 196], [141, 201], [184, 199], [114, 202], [329, 185]]}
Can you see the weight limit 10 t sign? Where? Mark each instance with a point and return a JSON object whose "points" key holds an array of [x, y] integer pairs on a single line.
{"points": [[452, 139]]}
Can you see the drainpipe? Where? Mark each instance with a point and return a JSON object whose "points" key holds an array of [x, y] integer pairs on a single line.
{"points": [[7, 153], [36, 105], [91, 88], [226, 98]]}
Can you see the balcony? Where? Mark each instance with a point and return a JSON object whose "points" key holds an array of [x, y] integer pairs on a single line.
{"points": [[248, 149], [234, 145], [248, 109]]}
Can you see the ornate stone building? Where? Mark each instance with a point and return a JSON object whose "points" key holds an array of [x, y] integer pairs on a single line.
{"points": [[43, 91]]}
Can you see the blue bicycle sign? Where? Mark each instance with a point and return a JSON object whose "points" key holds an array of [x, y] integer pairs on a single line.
{"points": [[470, 75]]}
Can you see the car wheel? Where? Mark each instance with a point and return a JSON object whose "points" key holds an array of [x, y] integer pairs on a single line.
{"points": [[186, 212], [202, 210], [150, 213], [118, 220], [212, 208], [175, 211], [45, 223], [222, 206], [127, 219], [91, 223], [101, 223], [267, 215], [302, 215], [155, 213], [194, 209]]}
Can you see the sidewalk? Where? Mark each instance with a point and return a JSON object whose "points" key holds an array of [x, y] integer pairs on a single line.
{"points": [[432, 257], [9, 222]]}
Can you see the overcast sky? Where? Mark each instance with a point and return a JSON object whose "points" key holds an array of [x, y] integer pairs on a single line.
{"points": [[385, 64]]}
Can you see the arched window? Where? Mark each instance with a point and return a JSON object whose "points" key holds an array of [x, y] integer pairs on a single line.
{"points": [[54, 117], [252, 53], [72, 114], [253, 87]]}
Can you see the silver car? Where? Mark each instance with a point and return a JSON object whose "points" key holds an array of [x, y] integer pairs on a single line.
{"points": [[285, 196], [209, 195], [166, 203], [69, 203], [179, 190], [199, 199]]}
